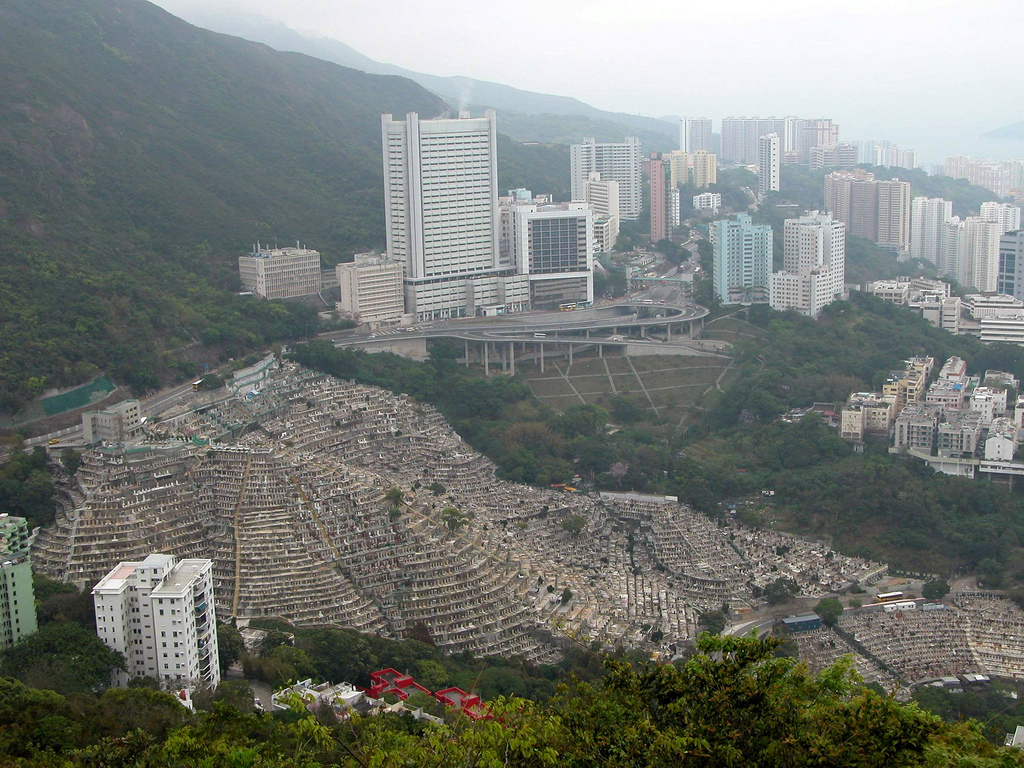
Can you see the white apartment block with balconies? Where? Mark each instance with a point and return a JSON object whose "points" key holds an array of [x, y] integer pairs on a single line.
{"points": [[814, 265], [1006, 215], [928, 217], [159, 614]]}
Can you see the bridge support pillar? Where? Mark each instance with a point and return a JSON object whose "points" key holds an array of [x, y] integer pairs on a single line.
{"points": [[570, 354], [695, 328], [541, 345], [668, 332], [512, 358], [588, 333], [466, 346], [487, 363], [600, 350]]}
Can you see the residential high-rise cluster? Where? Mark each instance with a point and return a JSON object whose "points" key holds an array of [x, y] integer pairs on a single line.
{"points": [[742, 263], [967, 249], [814, 263], [699, 167], [886, 154], [928, 217], [159, 614], [665, 207], [999, 177], [875, 209], [603, 198], [797, 136]]}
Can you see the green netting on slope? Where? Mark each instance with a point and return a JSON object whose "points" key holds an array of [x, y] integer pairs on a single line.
{"points": [[77, 398]]}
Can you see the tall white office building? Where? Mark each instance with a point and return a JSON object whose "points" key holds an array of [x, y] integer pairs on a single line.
{"points": [[928, 216], [620, 162], [695, 134], [441, 212], [814, 265], [769, 164], [159, 615], [1004, 214], [552, 245]]}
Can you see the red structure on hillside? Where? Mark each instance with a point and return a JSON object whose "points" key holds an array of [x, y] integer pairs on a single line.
{"points": [[387, 681]]}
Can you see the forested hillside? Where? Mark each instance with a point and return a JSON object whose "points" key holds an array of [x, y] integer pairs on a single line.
{"points": [[139, 155]]}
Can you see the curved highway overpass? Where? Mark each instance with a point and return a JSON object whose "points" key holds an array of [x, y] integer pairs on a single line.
{"points": [[641, 325]]}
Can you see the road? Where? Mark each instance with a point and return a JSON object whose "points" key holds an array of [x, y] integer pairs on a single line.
{"points": [[150, 407]]}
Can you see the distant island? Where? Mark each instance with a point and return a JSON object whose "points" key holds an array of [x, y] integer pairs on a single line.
{"points": [[1015, 131]]}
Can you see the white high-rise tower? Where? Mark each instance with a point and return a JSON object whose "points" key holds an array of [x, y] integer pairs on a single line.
{"points": [[769, 164], [928, 216], [621, 162], [441, 210], [159, 615], [695, 134], [814, 264]]}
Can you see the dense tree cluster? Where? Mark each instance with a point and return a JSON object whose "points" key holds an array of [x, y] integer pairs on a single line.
{"points": [[732, 703], [26, 488]]}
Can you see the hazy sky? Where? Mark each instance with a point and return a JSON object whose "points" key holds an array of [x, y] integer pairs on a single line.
{"points": [[929, 74]]}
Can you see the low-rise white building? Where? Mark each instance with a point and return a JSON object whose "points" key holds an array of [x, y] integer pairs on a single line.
{"points": [[1008, 329], [867, 413], [281, 273], [942, 312], [371, 289], [989, 401], [982, 305], [707, 201], [1001, 441], [892, 291], [159, 614], [116, 424]]}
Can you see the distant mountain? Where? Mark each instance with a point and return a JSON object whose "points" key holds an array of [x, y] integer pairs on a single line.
{"points": [[461, 92], [1015, 131], [139, 155]]}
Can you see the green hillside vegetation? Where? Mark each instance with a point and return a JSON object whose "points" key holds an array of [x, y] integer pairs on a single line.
{"points": [[728, 701], [140, 155], [732, 703], [571, 129], [876, 505]]}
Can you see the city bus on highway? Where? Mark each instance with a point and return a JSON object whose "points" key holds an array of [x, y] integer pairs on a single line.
{"points": [[197, 385], [584, 304], [567, 306], [888, 597]]}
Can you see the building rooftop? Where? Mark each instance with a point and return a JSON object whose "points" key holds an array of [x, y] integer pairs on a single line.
{"points": [[116, 580], [180, 580]]}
